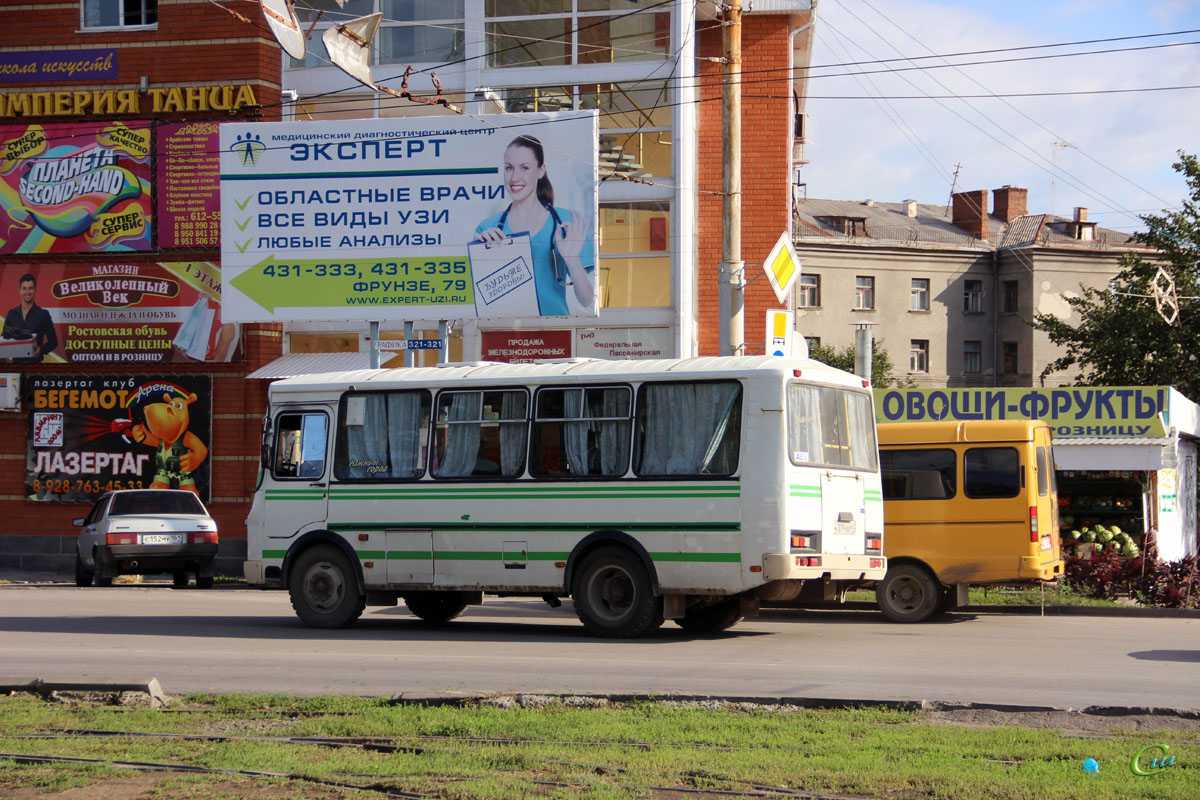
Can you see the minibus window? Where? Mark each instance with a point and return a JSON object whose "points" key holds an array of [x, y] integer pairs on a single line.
{"points": [[1042, 473], [829, 426], [581, 432], [917, 474], [688, 428], [481, 434], [383, 435], [992, 472]]}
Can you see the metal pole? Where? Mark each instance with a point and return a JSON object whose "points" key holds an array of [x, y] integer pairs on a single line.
{"points": [[408, 351], [731, 274], [862, 352], [373, 359], [444, 337]]}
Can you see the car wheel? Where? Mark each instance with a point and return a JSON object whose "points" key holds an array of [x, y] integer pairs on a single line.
{"points": [[324, 588], [908, 593], [204, 581], [83, 575], [712, 618], [104, 580], [179, 579], [613, 596], [436, 607]]}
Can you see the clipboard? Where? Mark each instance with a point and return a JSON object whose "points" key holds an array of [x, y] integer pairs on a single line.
{"points": [[502, 274]]}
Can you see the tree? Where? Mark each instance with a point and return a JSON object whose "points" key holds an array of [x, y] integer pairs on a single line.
{"points": [[881, 363], [1121, 339]]}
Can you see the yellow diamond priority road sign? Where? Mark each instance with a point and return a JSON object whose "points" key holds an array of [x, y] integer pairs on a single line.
{"points": [[782, 267]]}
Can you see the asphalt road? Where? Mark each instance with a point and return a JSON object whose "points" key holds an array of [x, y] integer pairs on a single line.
{"points": [[226, 640]]}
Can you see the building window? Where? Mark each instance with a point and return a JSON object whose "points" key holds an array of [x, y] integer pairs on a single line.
{"points": [[918, 355], [920, 295], [634, 270], [600, 32], [118, 13], [973, 297], [812, 341], [972, 357], [1010, 297], [864, 293], [808, 291], [1009, 350], [412, 31]]}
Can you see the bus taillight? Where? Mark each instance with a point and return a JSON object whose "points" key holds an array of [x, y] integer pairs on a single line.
{"points": [[874, 544], [1033, 531]]}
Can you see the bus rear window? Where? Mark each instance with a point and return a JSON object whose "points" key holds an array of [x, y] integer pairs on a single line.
{"points": [[831, 427]]}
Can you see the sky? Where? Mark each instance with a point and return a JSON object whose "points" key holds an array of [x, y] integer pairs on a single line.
{"points": [[1110, 153]]}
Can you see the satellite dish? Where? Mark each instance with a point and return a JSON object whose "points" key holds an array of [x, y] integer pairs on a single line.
{"points": [[349, 46], [282, 20]]}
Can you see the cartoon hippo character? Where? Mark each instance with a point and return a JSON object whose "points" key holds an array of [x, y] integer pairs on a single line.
{"points": [[166, 420]]}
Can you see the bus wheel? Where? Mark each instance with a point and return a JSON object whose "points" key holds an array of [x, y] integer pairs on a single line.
{"points": [[908, 593], [713, 618], [613, 596], [436, 607], [323, 588]]}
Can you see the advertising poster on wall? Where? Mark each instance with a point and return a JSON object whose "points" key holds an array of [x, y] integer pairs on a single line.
{"points": [[525, 347], [93, 434], [393, 219], [117, 313], [189, 202], [81, 188]]}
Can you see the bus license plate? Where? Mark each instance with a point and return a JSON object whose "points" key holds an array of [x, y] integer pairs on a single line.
{"points": [[843, 528], [162, 538]]}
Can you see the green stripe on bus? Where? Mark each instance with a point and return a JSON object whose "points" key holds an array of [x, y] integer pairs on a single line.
{"points": [[732, 558], [573, 492], [495, 555], [711, 527], [274, 553], [410, 555]]}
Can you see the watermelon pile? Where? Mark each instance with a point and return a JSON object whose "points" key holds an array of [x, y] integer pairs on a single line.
{"points": [[1103, 537]]}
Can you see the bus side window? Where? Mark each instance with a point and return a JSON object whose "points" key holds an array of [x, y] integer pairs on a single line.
{"points": [[300, 443], [992, 472], [918, 474], [1043, 475]]}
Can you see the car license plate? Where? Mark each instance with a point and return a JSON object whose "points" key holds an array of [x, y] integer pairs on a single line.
{"points": [[162, 538], [843, 528]]}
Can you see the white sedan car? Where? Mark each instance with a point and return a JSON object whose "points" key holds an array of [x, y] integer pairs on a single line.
{"points": [[144, 531]]}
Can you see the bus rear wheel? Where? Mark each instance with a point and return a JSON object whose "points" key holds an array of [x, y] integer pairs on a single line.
{"points": [[613, 595], [908, 593], [324, 589], [436, 607], [713, 618]]}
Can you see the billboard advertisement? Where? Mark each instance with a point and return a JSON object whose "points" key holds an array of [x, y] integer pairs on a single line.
{"points": [[144, 313], [93, 434], [410, 219], [75, 188], [188, 204]]}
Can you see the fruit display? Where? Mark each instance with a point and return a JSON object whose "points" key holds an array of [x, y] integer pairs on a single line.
{"points": [[1099, 537]]}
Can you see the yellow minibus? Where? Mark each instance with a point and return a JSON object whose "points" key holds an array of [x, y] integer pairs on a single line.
{"points": [[964, 503]]}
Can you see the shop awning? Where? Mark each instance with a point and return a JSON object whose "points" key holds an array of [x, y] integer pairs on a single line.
{"points": [[294, 364], [1099, 453]]}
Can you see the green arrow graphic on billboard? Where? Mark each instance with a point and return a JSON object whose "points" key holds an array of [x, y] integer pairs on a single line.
{"points": [[316, 283]]}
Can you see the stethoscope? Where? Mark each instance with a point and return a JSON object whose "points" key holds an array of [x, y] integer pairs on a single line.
{"points": [[560, 272]]}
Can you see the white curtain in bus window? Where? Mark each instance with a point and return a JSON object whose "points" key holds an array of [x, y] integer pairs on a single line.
{"points": [[458, 434], [383, 435], [512, 434], [689, 428]]}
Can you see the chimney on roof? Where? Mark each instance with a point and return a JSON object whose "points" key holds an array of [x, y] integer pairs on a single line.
{"points": [[969, 210], [869, 203], [910, 208], [1009, 202], [1080, 214]]}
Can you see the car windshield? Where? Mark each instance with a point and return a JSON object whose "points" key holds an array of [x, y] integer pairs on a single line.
{"points": [[156, 503]]}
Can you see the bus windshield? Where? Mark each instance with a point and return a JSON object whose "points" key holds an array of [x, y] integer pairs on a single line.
{"points": [[830, 427]]}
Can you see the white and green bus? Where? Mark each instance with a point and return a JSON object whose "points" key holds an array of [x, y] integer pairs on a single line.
{"points": [[689, 490]]}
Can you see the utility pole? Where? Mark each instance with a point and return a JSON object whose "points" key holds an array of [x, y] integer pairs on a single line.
{"points": [[731, 274]]}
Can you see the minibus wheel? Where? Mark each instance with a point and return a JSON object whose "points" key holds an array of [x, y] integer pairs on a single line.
{"points": [[613, 596], [908, 593], [436, 607], [324, 588]]}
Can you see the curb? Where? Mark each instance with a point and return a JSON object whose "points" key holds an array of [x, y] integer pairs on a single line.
{"points": [[45, 688], [1061, 611]]}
